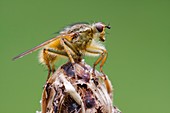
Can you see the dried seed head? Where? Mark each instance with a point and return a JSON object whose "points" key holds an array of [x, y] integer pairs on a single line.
{"points": [[75, 89]]}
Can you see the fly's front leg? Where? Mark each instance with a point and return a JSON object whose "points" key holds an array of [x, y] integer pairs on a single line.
{"points": [[104, 54], [102, 58]]}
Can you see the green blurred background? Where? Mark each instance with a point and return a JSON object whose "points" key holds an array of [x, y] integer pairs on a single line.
{"points": [[138, 44]]}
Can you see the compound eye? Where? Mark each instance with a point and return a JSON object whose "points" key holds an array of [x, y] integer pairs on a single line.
{"points": [[99, 27]]}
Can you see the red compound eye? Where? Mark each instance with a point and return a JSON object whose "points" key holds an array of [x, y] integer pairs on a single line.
{"points": [[99, 27]]}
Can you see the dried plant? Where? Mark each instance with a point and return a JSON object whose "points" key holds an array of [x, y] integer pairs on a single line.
{"points": [[74, 88]]}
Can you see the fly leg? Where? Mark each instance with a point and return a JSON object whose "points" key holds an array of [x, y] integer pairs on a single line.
{"points": [[73, 55], [67, 51], [104, 54], [49, 64], [102, 58], [70, 45]]}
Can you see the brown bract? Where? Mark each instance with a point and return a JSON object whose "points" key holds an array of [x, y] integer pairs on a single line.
{"points": [[75, 89]]}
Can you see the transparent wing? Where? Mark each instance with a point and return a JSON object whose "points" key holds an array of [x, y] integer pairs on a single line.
{"points": [[36, 48]]}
